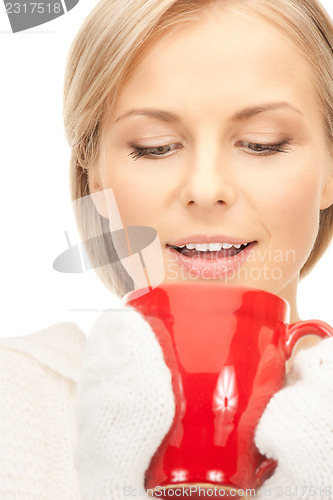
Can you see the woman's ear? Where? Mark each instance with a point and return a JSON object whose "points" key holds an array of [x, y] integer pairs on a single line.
{"points": [[327, 193]]}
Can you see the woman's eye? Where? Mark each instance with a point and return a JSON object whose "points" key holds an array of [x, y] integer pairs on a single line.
{"points": [[155, 152], [263, 149], [166, 150]]}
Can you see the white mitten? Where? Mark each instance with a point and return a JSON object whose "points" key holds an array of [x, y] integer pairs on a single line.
{"points": [[124, 406], [296, 429]]}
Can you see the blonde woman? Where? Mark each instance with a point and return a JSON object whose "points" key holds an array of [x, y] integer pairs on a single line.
{"points": [[209, 118]]}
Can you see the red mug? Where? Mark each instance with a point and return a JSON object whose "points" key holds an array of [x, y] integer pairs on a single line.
{"points": [[226, 348]]}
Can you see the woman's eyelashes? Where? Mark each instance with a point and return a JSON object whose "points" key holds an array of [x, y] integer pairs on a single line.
{"points": [[252, 148], [154, 152], [257, 149]]}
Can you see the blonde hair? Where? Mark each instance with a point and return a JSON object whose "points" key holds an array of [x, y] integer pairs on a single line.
{"points": [[104, 54]]}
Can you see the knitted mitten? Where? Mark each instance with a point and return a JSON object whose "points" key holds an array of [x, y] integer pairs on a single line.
{"points": [[297, 429], [124, 406]]}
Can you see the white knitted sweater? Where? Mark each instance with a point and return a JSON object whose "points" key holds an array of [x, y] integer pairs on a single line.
{"points": [[38, 377], [38, 382]]}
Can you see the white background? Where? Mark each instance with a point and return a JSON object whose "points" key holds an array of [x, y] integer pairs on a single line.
{"points": [[35, 202]]}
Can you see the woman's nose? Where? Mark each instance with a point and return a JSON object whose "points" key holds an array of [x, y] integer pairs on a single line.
{"points": [[209, 181]]}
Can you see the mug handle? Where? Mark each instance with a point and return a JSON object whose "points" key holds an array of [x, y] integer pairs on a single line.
{"points": [[300, 329]]}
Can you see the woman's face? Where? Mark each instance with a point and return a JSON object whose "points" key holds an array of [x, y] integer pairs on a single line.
{"points": [[217, 138]]}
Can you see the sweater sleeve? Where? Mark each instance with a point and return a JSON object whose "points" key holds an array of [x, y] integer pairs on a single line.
{"points": [[37, 431]]}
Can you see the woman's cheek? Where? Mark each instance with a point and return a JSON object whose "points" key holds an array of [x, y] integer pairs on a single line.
{"points": [[138, 197], [293, 208]]}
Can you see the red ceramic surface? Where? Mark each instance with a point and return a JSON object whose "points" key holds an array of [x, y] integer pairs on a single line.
{"points": [[226, 348]]}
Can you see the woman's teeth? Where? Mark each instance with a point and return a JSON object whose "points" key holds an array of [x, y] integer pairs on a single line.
{"points": [[211, 247]]}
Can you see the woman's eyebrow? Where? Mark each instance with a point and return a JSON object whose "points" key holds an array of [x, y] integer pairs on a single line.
{"points": [[245, 114], [165, 116]]}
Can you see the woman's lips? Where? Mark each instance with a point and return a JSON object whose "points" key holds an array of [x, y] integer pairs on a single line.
{"points": [[210, 265]]}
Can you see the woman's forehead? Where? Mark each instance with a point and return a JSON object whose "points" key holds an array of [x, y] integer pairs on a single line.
{"points": [[230, 61]]}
